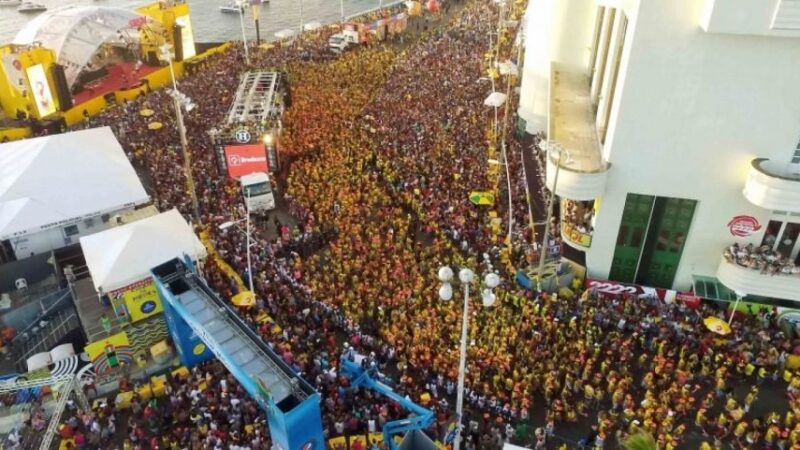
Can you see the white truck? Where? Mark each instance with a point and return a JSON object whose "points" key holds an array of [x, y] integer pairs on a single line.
{"points": [[257, 192], [341, 40]]}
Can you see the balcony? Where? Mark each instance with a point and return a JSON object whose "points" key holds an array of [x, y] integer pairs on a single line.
{"points": [[754, 275], [571, 125], [758, 18], [576, 224], [772, 186]]}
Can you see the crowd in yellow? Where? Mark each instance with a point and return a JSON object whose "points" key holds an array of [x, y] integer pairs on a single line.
{"points": [[384, 144]]}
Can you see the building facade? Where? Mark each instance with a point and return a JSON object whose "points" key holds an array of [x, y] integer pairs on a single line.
{"points": [[673, 130]]}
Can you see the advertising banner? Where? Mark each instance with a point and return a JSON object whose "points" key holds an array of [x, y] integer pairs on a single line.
{"points": [[109, 353], [140, 299], [191, 349], [245, 159], [13, 68], [612, 288], [41, 90]]}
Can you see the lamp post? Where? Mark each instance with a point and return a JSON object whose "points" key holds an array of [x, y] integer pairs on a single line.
{"points": [[255, 6], [508, 187], [229, 224], [466, 276], [551, 148], [240, 4], [181, 101], [341, 10], [301, 17]]}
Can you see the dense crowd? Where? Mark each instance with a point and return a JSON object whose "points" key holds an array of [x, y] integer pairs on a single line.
{"points": [[384, 144], [761, 258]]}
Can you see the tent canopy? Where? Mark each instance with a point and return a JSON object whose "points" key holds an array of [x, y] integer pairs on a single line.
{"points": [[76, 32], [123, 255], [56, 180]]}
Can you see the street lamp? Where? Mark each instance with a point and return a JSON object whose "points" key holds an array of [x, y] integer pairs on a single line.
{"points": [[255, 6], [182, 101], [552, 147], [465, 276], [267, 139], [224, 226], [508, 186], [241, 4]]}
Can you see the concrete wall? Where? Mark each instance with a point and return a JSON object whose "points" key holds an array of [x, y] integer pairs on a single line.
{"points": [[692, 109]]}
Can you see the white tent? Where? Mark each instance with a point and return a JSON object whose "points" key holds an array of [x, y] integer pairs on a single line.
{"points": [[124, 255], [56, 180], [508, 446]]}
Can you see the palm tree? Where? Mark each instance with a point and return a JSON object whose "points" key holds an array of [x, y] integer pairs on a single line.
{"points": [[639, 441]]}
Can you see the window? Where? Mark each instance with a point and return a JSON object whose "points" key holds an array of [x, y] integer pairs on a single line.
{"points": [[796, 155], [71, 230], [89, 222]]}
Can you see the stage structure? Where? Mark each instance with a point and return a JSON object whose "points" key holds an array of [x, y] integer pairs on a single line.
{"points": [[292, 405]]}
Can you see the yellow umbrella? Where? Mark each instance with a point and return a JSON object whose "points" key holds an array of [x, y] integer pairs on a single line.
{"points": [[155, 125], [244, 298], [146, 112], [717, 325]]}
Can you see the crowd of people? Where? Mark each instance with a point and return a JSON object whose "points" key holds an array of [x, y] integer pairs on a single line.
{"points": [[382, 146], [761, 258]]}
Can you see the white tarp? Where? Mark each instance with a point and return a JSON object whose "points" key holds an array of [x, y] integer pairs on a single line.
{"points": [[495, 99], [123, 255], [76, 32], [57, 180]]}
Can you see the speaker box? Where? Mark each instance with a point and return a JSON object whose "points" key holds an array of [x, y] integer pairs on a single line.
{"points": [[177, 42], [62, 88]]}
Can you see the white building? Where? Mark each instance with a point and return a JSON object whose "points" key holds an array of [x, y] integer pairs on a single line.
{"points": [[55, 189], [680, 120]]}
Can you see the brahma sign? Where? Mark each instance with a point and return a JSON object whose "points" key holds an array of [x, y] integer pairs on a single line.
{"points": [[245, 159]]}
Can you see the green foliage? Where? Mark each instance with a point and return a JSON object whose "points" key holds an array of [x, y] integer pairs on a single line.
{"points": [[639, 441]]}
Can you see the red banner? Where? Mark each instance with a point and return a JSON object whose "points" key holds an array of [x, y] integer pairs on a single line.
{"points": [[245, 159], [609, 287]]}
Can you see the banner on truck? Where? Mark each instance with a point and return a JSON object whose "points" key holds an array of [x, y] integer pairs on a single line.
{"points": [[245, 159]]}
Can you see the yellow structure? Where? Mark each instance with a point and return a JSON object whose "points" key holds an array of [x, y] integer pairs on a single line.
{"points": [[169, 16], [27, 84]]}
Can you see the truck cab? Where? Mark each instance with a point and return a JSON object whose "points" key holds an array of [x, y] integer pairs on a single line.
{"points": [[257, 192], [339, 42]]}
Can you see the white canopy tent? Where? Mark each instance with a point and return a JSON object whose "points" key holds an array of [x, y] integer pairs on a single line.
{"points": [[508, 446], [76, 32], [124, 255], [52, 181]]}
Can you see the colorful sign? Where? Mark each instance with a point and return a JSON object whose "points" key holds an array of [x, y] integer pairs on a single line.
{"points": [[481, 198], [13, 68], [575, 235], [40, 88], [191, 349], [245, 159], [743, 226], [140, 299], [609, 287], [109, 353]]}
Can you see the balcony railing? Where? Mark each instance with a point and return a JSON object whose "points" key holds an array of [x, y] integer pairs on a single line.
{"points": [[759, 272], [773, 186], [571, 126]]}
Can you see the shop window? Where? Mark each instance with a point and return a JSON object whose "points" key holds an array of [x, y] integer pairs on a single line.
{"points": [[622, 236], [638, 235], [71, 230], [771, 233]]}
